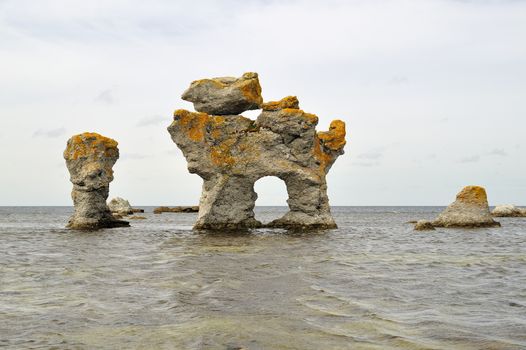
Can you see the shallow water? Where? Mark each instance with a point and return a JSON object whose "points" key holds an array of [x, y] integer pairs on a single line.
{"points": [[374, 283]]}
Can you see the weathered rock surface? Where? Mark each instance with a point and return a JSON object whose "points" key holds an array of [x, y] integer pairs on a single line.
{"points": [[232, 152], [470, 209], [424, 225], [90, 158], [190, 209], [508, 210], [120, 206], [225, 95]]}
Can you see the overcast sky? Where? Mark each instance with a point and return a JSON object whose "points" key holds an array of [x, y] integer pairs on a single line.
{"points": [[433, 91]]}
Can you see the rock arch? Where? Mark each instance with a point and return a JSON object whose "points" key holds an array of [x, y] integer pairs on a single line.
{"points": [[231, 152]]}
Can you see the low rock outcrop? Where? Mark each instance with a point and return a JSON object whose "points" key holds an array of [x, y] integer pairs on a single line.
{"points": [[508, 210], [190, 209], [424, 225], [231, 152], [470, 209], [90, 158], [120, 206]]}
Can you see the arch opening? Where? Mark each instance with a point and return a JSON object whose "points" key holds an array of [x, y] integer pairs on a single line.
{"points": [[271, 203]]}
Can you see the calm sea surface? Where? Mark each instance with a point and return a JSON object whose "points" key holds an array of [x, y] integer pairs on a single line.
{"points": [[374, 283]]}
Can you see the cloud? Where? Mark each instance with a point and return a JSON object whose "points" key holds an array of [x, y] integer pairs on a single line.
{"points": [[470, 159], [497, 152], [398, 80], [366, 164], [105, 97], [50, 133], [370, 155], [155, 120], [127, 156]]}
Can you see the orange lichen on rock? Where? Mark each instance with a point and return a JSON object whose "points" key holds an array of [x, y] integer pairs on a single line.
{"points": [[473, 195], [323, 157], [250, 88], [286, 102], [90, 144], [334, 139], [193, 123], [221, 154]]}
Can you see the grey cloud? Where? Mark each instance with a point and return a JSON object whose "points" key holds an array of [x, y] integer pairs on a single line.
{"points": [[366, 164], [155, 120], [398, 80], [105, 97], [497, 152], [50, 133], [370, 155], [133, 156], [470, 159]]}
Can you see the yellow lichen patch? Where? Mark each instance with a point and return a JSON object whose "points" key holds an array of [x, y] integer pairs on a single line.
{"points": [[221, 154], [193, 122], [334, 139], [213, 82], [322, 157], [90, 144], [286, 102], [473, 195], [251, 90]]}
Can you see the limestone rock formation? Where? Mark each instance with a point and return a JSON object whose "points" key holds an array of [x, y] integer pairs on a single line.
{"points": [[231, 152], [508, 210], [470, 209], [225, 95], [90, 158], [120, 206], [424, 225]]}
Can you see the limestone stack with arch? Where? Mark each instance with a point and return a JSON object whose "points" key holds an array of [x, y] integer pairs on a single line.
{"points": [[231, 152]]}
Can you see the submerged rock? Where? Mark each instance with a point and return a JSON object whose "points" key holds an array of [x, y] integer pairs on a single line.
{"points": [[190, 209], [470, 209], [424, 225], [232, 152], [120, 206], [508, 210], [90, 158], [225, 95]]}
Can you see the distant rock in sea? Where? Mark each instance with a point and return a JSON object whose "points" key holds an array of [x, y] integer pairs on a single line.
{"points": [[120, 206], [470, 210], [189, 209], [508, 210], [90, 158]]}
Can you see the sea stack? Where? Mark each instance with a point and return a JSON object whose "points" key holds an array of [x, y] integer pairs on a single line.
{"points": [[90, 158], [469, 210], [120, 206], [231, 152]]}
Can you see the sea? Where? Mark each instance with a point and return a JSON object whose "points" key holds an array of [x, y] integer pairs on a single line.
{"points": [[373, 283]]}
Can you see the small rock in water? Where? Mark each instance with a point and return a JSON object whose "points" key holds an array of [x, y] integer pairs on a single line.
{"points": [[508, 210], [469, 210], [120, 206], [190, 209], [137, 217]]}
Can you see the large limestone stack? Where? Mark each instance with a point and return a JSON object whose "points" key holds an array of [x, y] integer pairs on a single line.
{"points": [[470, 209], [90, 158], [508, 210], [231, 152]]}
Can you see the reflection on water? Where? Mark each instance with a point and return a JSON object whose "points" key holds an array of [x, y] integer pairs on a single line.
{"points": [[371, 284]]}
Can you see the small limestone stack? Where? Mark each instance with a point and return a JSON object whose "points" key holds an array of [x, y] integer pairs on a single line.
{"points": [[120, 206], [90, 158], [231, 152], [469, 210], [508, 210]]}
